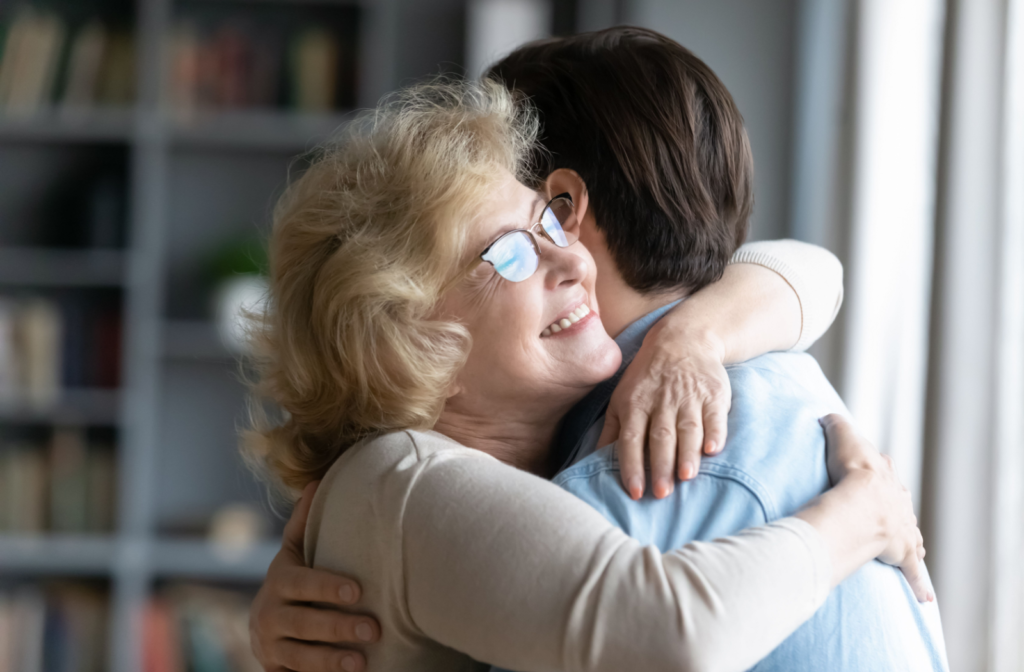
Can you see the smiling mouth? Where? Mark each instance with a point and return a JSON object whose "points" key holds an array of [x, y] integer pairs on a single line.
{"points": [[566, 322]]}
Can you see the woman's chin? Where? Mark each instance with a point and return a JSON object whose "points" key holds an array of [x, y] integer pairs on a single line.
{"points": [[588, 346], [594, 360]]}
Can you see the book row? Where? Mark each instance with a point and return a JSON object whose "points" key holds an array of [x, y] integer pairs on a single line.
{"points": [[48, 345], [64, 627], [58, 627], [44, 62], [234, 63], [239, 63], [190, 628], [66, 486]]}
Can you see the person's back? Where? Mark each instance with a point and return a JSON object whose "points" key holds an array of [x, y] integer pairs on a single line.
{"points": [[773, 465]]}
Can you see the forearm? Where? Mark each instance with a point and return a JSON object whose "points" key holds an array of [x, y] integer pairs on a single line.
{"points": [[750, 311], [572, 592], [869, 513], [852, 536], [775, 295]]}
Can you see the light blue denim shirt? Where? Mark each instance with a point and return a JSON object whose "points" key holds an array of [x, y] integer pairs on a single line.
{"points": [[773, 463]]}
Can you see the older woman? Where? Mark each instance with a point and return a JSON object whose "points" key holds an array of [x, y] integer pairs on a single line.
{"points": [[415, 282]]}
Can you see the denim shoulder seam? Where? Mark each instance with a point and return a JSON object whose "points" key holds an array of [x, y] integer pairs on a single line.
{"points": [[764, 500]]}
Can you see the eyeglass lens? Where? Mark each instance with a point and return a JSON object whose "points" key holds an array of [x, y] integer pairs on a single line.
{"points": [[558, 220], [515, 256]]}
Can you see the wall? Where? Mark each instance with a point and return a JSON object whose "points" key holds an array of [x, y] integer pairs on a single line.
{"points": [[750, 45]]}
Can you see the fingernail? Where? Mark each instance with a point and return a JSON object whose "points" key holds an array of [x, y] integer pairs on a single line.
{"points": [[346, 594], [348, 663], [688, 471], [662, 488], [711, 448], [364, 632], [636, 487]]}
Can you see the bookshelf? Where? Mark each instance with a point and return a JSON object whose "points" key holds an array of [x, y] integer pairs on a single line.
{"points": [[190, 180]]}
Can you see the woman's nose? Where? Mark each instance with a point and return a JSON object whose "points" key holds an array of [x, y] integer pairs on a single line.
{"points": [[562, 266]]}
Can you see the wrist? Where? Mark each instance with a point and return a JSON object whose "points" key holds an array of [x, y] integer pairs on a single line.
{"points": [[848, 520], [674, 333]]}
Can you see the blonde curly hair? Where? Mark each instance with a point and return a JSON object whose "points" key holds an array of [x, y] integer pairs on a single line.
{"points": [[362, 246]]}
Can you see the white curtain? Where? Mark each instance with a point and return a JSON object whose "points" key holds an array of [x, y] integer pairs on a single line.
{"points": [[909, 162], [975, 440], [898, 47]]}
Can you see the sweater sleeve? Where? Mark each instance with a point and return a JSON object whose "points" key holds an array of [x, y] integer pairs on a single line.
{"points": [[515, 572], [814, 273]]}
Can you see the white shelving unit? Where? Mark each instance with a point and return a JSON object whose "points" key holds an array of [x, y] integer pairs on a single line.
{"points": [[190, 184]]}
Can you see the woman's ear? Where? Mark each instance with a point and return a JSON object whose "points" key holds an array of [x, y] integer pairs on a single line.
{"points": [[569, 181], [454, 390]]}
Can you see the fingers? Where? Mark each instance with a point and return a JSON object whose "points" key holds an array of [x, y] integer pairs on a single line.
{"points": [[326, 625], [662, 442], [703, 427], [716, 420], [918, 580], [302, 584], [630, 450], [295, 529], [304, 657], [691, 441]]}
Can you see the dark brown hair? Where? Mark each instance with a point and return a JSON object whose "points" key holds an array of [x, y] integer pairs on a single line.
{"points": [[658, 140]]}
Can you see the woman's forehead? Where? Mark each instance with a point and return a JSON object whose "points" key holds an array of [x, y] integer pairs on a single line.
{"points": [[515, 206]]}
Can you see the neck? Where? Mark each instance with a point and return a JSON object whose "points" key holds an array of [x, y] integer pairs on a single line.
{"points": [[621, 305], [522, 442]]}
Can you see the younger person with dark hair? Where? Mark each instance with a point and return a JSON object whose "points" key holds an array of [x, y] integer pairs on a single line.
{"points": [[650, 146]]}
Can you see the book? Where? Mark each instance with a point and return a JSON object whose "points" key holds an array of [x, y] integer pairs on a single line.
{"points": [[161, 640], [10, 375], [101, 488], [85, 66], [13, 39], [314, 70], [40, 333], [28, 623], [184, 69], [69, 481], [266, 69], [117, 75], [33, 55], [23, 487], [233, 65], [6, 634]]}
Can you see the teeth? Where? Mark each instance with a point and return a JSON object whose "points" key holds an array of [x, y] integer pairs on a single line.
{"points": [[572, 318]]}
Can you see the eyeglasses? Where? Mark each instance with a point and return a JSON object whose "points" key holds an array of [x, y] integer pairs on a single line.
{"points": [[516, 254]]}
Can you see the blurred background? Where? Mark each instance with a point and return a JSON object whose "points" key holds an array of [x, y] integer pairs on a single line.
{"points": [[143, 144]]}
